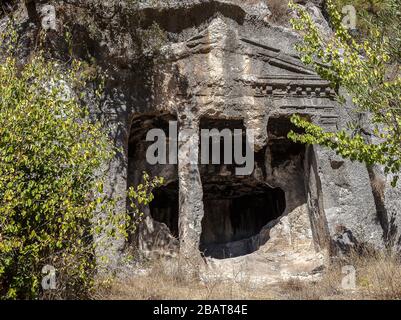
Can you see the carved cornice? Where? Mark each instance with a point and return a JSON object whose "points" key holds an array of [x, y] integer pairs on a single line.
{"points": [[309, 86]]}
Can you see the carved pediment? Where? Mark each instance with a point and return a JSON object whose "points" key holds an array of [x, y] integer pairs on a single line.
{"points": [[291, 76], [223, 59], [277, 58]]}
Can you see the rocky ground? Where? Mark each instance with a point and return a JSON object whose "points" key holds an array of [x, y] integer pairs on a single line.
{"points": [[377, 276]]}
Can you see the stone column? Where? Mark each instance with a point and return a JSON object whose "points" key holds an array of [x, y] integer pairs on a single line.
{"points": [[313, 185], [190, 189]]}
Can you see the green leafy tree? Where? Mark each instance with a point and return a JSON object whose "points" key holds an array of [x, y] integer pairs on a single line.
{"points": [[369, 72], [52, 156], [51, 180], [383, 15]]}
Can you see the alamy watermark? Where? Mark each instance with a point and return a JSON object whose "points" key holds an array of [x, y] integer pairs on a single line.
{"points": [[349, 20], [349, 280], [49, 280], [183, 147], [48, 17]]}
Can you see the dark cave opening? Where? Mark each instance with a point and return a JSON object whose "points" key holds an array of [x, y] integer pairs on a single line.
{"points": [[163, 210], [164, 207], [234, 213], [237, 208]]}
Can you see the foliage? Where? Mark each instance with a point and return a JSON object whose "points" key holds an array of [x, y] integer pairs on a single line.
{"points": [[362, 69], [382, 14], [141, 196], [51, 155]]}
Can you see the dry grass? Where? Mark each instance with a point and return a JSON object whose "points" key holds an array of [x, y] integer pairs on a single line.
{"points": [[167, 282], [378, 276]]}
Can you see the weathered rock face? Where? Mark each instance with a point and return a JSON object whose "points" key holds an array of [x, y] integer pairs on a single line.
{"points": [[227, 67], [240, 70]]}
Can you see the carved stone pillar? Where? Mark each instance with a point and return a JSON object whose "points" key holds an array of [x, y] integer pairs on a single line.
{"points": [[190, 189]]}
